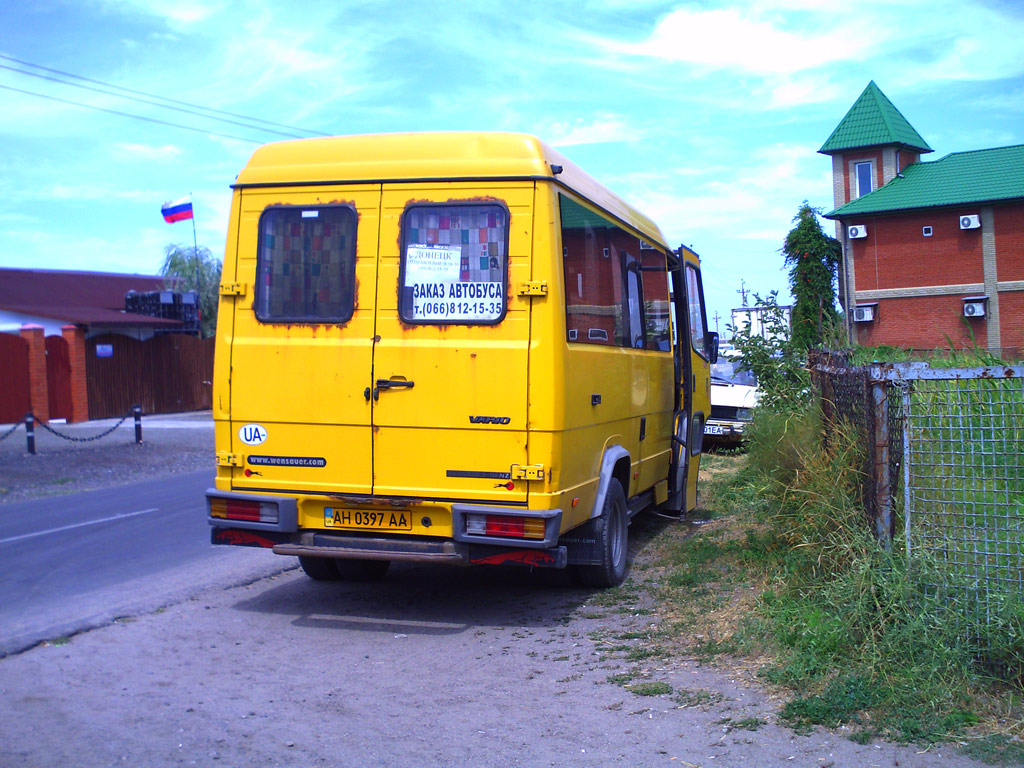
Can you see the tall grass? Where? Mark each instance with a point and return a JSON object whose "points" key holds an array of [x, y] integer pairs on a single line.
{"points": [[857, 633]]}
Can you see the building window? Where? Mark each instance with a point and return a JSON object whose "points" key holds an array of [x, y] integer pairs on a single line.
{"points": [[926, 231], [862, 173]]}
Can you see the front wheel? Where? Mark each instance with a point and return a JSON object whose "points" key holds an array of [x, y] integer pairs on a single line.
{"points": [[612, 539]]}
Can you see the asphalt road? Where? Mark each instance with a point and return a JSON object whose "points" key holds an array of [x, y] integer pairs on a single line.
{"points": [[75, 562]]}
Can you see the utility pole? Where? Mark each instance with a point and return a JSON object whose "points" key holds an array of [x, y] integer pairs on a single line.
{"points": [[743, 291], [716, 316]]}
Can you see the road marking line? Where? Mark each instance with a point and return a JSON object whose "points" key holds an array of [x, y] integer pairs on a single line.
{"points": [[78, 525]]}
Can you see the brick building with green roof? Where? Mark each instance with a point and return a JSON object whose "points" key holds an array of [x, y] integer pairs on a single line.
{"points": [[931, 250]]}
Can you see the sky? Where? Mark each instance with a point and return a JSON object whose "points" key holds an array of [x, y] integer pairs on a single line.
{"points": [[707, 116]]}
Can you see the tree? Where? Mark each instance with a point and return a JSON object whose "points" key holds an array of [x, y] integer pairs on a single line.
{"points": [[181, 268], [813, 258], [773, 357]]}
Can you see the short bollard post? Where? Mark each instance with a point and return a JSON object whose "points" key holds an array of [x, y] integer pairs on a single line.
{"points": [[137, 413], [30, 432]]}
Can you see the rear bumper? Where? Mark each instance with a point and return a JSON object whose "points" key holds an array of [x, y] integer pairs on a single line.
{"points": [[284, 537], [312, 544]]}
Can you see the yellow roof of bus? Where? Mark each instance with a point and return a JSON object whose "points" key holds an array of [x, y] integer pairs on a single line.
{"points": [[429, 156]]}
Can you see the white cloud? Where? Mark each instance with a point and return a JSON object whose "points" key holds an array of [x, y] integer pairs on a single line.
{"points": [[801, 52], [148, 152], [99, 192], [602, 129], [179, 12], [741, 39]]}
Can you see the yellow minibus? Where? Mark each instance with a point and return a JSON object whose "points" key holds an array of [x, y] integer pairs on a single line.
{"points": [[452, 348]]}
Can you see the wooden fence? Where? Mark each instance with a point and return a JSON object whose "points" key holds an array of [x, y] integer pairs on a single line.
{"points": [[166, 374]]}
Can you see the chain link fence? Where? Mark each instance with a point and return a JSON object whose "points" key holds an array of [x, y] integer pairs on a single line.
{"points": [[943, 468]]}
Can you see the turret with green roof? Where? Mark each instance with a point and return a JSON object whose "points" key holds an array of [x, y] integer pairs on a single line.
{"points": [[873, 121]]}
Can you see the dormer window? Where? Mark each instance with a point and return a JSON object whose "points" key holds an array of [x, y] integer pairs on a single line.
{"points": [[863, 176]]}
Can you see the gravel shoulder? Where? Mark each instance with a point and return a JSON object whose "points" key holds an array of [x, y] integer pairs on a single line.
{"points": [[433, 666], [171, 443]]}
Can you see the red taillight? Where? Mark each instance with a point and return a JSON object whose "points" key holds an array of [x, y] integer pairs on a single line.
{"points": [[510, 527], [241, 509], [505, 526]]}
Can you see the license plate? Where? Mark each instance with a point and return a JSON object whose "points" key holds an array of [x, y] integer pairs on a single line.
{"points": [[714, 429], [369, 519]]}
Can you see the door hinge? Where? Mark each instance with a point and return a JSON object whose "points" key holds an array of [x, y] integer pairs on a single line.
{"points": [[533, 288], [225, 459], [232, 289], [527, 472]]}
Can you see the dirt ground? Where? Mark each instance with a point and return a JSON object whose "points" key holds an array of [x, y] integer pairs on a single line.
{"points": [[433, 666]]}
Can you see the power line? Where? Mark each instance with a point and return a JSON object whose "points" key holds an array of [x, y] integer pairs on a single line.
{"points": [[151, 103], [150, 95], [127, 114]]}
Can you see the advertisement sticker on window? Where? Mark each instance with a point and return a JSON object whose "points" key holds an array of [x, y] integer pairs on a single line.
{"points": [[431, 263], [437, 290]]}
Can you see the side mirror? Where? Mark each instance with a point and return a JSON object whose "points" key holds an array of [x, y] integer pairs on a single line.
{"points": [[712, 345]]}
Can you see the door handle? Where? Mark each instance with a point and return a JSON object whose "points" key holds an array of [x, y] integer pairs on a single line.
{"points": [[387, 384]]}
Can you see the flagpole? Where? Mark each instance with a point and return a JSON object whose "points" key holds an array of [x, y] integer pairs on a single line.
{"points": [[195, 254]]}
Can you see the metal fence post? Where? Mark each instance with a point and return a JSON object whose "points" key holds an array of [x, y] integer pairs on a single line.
{"points": [[883, 501], [137, 413], [30, 432]]}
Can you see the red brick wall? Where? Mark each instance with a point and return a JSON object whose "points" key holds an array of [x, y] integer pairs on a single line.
{"points": [[896, 255], [1011, 319], [906, 157], [922, 323], [38, 394], [1009, 229], [75, 337]]}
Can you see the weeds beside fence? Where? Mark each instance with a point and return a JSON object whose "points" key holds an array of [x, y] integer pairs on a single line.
{"points": [[943, 472]]}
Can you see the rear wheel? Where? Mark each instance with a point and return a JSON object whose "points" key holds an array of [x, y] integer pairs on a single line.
{"points": [[319, 568], [612, 540]]}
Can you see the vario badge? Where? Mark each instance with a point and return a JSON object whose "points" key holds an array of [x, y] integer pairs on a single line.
{"points": [[252, 434]]}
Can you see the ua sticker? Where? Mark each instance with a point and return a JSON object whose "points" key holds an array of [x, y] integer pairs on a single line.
{"points": [[252, 434]]}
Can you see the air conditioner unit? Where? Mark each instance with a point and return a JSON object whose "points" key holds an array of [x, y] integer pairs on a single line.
{"points": [[974, 306], [865, 314], [970, 222], [856, 231]]}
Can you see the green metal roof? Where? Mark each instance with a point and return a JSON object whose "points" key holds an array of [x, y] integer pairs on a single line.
{"points": [[873, 121], [981, 176]]}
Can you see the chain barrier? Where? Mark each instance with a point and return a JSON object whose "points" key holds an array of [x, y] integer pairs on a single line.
{"points": [[30, 421], [53, 431], [10, 431]]}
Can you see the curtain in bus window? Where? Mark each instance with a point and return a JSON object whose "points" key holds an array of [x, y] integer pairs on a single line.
{"points": [[306, 264], [594, 288]]}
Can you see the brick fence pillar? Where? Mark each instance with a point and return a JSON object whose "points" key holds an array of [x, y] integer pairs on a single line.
{"points": [[39, 400], [75, 337]]}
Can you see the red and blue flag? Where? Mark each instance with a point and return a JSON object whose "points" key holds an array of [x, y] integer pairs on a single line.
{"points": [[179, 210]]}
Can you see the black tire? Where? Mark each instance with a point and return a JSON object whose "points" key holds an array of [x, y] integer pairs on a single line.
{"points": [[320, 568], [613, 539], [361, 570]]}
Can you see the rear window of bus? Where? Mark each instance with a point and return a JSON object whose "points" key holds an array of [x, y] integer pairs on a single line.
{"points": [[454, 264], [305, 269]]}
